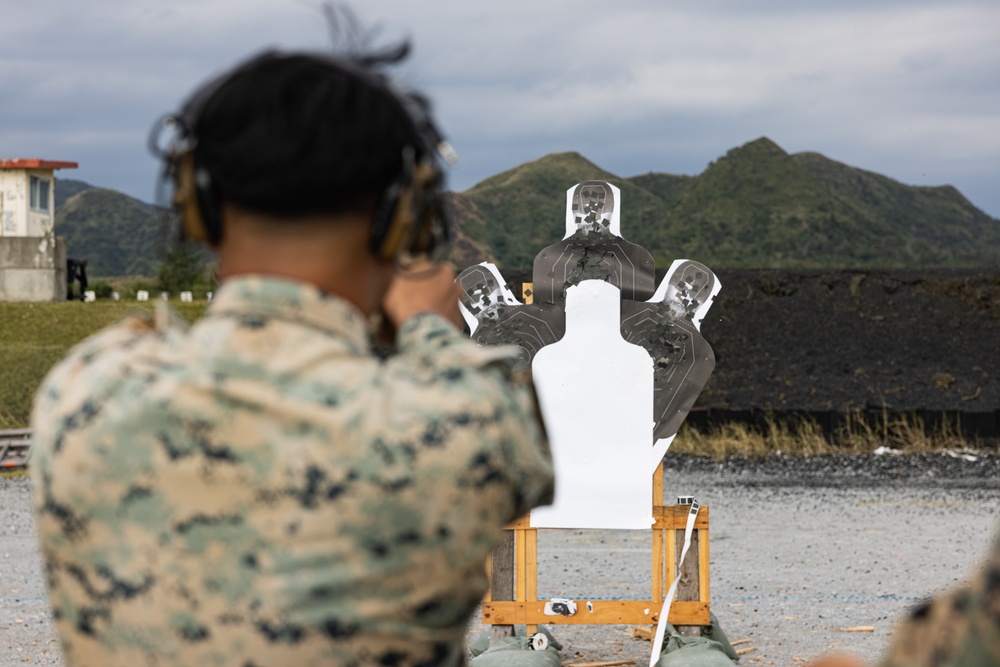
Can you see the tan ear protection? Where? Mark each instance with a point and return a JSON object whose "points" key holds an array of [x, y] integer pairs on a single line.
{"points": [[409, 222], [186, 199], [412, 219]]}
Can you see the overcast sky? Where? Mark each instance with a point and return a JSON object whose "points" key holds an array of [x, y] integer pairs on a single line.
{"points": [[906, 88]]}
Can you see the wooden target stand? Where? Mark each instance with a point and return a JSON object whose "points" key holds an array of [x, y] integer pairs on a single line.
{"points": [[512, 598], [513, 571]]}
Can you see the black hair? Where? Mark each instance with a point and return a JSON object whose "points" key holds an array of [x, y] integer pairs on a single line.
{"points": [[298, 134]]}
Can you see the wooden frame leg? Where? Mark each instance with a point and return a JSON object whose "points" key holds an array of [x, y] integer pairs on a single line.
{"points": [[689, 587], [502, 580]]}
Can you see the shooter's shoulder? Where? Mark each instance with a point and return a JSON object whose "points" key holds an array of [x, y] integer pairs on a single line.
{"points": [[107, 356]]}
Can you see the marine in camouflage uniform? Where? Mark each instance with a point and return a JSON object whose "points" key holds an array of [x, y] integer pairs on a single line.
{"points": [[961, 628], [261, 488]]}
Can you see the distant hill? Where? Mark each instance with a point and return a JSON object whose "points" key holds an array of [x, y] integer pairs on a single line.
{"points": [[66, 188], [755, 207], [522, 210], [116, 234]]}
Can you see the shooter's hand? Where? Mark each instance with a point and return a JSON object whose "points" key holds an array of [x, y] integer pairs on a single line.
{"points": [[423, 289], [839, 660]]}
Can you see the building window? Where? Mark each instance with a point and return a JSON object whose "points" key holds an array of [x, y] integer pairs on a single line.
{"points": [[39, 193]]}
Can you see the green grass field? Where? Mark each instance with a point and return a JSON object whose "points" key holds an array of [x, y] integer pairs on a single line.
{"points": [[34, 336]]}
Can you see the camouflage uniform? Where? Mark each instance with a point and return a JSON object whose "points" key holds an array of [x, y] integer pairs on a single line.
{"points": [[958, 629], [262, 490]]}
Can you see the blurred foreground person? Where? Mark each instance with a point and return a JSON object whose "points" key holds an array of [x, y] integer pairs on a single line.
{"points": [[260, 488], [960, 628]]}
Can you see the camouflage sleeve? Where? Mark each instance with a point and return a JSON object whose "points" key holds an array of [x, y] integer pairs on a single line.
{"points": [[88, 357], [431, 341], [960, 628], [76, 388]]}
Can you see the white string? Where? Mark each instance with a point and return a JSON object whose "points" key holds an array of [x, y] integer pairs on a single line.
{"points": [[661, 624]]}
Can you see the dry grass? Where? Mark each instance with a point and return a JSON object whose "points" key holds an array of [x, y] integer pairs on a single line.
{"points": [[906, 433]]}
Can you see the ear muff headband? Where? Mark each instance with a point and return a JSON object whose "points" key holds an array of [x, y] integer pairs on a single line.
{"points": [[412, 219]]}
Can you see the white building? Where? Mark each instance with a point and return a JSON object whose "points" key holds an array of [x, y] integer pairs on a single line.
{"points": [[32, 259]]}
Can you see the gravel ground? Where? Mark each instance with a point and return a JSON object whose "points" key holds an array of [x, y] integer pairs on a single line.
{"points": [[26, 633], [799, 549]]}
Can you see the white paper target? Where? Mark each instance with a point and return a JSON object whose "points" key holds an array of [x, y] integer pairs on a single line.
{"points": [[596, 395]]}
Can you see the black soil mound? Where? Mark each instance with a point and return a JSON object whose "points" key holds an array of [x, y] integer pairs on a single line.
{"points": [[903, 341]]}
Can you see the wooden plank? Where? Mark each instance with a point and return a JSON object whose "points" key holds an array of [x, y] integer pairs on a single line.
{"points": [[500, 569], [689, 586], [520, 558], [531, 572], [658, 591], [531, 564], [671, 560], [489, 574], [613, 612], [666, 517], [675, 517], [658, 486], [703, 556]]}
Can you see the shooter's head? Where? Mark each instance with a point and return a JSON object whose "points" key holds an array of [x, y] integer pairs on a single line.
{"points": [[300, 135], [593, 204]]}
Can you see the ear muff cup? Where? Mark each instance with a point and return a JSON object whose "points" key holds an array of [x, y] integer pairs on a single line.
{"points": [[193, 198], [409, 222]]}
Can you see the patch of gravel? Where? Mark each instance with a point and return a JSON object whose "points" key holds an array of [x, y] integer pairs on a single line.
{"points": [[953, 470], [27, 636], [800, 547]]}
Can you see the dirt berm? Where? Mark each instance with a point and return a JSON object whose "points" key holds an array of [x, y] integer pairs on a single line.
{"points": [[903, 341], [822, 343]]}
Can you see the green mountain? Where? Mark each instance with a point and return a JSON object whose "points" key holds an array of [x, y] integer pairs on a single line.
{"points": [[119, 235], [522, 210], [757, 206], [66, 188], [116, 234]]}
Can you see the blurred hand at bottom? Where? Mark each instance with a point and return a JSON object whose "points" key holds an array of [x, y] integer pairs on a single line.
{"points": [[839, 660]]}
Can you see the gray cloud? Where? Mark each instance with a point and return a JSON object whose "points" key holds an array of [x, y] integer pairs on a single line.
{"points": [[909, 89]]}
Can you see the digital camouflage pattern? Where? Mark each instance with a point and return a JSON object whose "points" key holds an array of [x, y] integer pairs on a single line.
{"points": [[260, 489], [958, 629]]}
